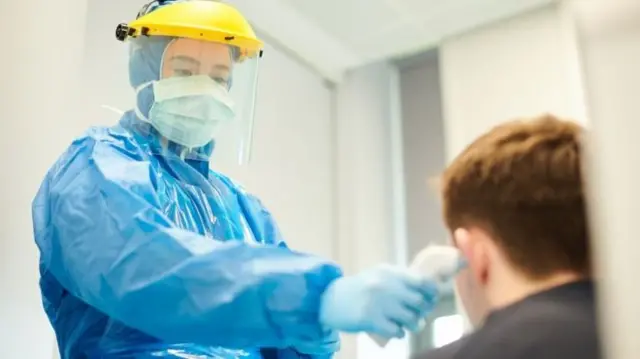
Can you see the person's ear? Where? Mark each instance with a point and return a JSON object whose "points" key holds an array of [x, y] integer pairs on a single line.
{"points": [[473, 247]]}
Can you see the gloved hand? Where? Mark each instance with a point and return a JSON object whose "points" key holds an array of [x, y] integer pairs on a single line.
{"points": [[383, 301]]}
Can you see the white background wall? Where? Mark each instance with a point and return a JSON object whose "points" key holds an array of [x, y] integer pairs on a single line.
{"points": [[369, 165], [37, 120], [293, 165], [524, 66], [610, 44]]}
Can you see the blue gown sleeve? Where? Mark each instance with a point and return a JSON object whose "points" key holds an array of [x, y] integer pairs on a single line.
{"points": [[265, 227], [102, 235]]}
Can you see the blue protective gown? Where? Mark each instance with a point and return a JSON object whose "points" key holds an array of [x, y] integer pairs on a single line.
{"points": [[146, 255]]}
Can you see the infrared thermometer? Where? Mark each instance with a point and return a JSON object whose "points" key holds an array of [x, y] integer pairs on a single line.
{"points": [[439, 264]]}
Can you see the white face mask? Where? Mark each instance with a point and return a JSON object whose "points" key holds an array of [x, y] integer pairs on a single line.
{"points": [[189, 110]]}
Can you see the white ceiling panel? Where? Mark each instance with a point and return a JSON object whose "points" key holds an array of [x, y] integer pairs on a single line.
{"points": [[463, 15], [350, 19], [421, 10], [428, 9], [392, 43], [340, 34]]}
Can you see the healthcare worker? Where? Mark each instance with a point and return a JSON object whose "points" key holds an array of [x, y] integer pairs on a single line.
{"points": [[146, 252]]}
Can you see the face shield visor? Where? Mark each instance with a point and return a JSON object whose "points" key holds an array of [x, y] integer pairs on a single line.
{"points": [[202, 106]]}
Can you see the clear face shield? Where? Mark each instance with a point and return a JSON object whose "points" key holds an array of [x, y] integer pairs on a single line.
{"points": [[203, 104]]}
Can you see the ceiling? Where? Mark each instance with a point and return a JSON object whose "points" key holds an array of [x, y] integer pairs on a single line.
{"points": [[336, 35]]}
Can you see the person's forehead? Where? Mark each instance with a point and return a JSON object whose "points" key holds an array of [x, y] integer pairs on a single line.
{"points": [[198, 49]]}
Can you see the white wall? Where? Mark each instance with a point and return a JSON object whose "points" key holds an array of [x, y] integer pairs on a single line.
{"points": [[520, 67], [105, 61], [369, 183], [609, 34], [293, 164], [364, 165], [38, 120]]}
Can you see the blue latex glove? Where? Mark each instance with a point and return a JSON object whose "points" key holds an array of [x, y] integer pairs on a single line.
{"points": [[384, 301]]}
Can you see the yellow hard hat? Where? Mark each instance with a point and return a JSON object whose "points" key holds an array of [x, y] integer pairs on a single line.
{"points": [[197, 19]]}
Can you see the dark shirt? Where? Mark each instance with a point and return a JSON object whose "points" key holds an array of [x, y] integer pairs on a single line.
{"points": [[559, 323]]}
